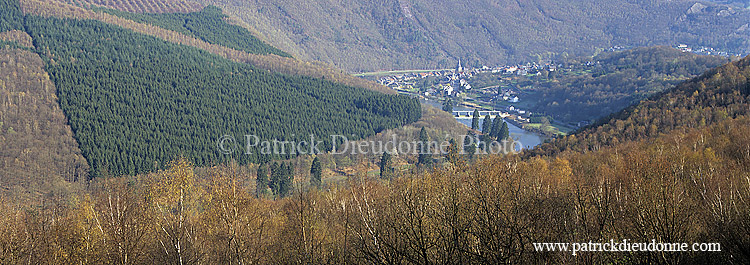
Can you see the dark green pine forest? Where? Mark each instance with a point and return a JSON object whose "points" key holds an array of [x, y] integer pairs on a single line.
{"points": [[208, 25], [135, 102], [11, 16]]}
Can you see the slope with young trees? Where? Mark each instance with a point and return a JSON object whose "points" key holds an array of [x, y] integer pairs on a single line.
{"points": [[141, 6], [269, 62], [209, 25]]}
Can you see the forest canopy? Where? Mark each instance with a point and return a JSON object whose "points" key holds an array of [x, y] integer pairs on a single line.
{"points": [[209, 25], [9, 17], [136, 102]]}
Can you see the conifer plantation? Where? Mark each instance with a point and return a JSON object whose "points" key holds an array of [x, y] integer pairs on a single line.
{"points": [[136, 102], [208, 25]]}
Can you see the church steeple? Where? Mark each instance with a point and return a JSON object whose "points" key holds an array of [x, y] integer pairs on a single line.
{"points": [[459, 68]]}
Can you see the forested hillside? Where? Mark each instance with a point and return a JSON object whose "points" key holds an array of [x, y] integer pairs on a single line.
{"points": [[672, 169], [687, 185], [208, 25], [9, 16], [135, 102], [716, 95], [600, 85], [37, 151], [131, 106], [416, 34], [58, 8], [141, 6]]}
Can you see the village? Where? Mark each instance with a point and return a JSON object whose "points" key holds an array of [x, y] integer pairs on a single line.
{"points": [[484, 88], [495, 88], [703, 50], [439, 85]]}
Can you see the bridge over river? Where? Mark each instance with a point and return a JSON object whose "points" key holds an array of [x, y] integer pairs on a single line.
{"points": [[464, 115], [470, 114]]}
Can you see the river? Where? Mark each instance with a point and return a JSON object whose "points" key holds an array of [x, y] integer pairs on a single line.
{"points": [[526, 138]]}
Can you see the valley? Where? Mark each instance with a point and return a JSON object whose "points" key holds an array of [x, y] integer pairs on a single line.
{"points": [[232, 132], [556, 98]]}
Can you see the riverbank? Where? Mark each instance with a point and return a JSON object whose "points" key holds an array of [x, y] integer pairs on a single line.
{"points": [[527, 138], [538, 130]]}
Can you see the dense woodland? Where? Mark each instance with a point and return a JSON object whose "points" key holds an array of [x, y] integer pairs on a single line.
{"points": [[673, 168], [269, 62], [208, 25], [614, 81], [132, 108], [9, 17], [37, 150]]}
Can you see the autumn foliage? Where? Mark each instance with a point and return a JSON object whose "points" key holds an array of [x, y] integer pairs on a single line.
{"points": [[715, 96], [38, 153], [675, 168], [684, 187]]}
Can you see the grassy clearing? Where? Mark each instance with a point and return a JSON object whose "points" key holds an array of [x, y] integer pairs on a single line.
{"points": [[553, 128]]}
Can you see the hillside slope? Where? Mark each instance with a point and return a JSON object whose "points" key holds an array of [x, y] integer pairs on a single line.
{"points": [[407, 34], [717, 95], [209, 25], [135, 102], [615, 81], [271, 62], [38, 153], [141, 6]]}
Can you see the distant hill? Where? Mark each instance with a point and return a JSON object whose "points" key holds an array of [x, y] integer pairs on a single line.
{"points": [[405, 34], [615, 80], [717, 95]]}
